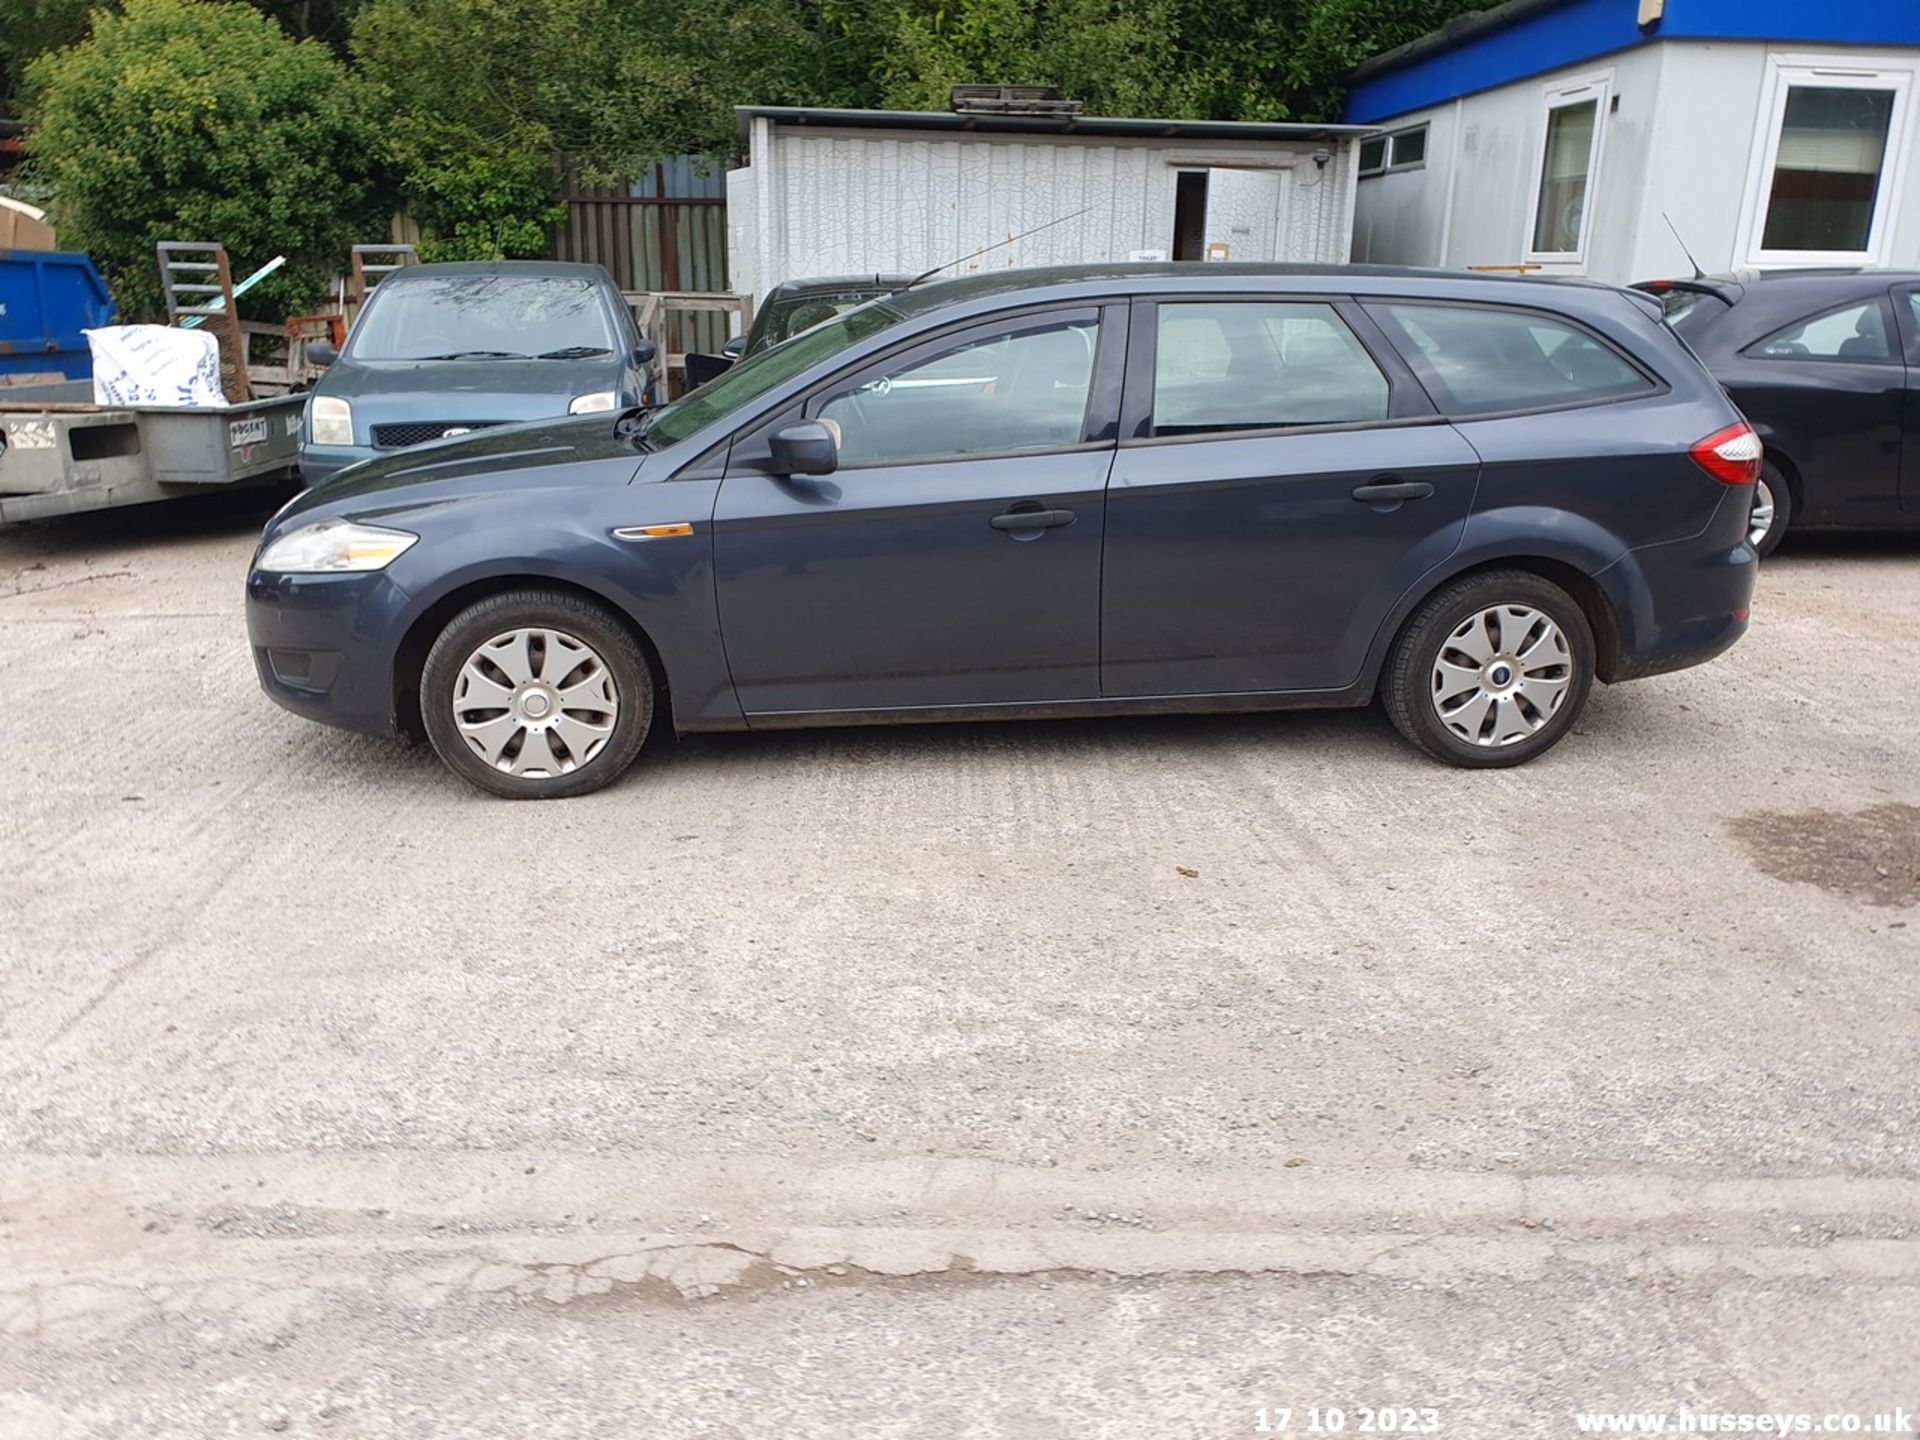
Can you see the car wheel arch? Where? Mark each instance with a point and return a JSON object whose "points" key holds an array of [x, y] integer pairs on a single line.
{"points": [[410, 656], [1585, 590], [1783, 464]]}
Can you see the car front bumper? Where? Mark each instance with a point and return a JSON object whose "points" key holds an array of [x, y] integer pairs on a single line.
{"points": [[323, 462], [324, 645]]}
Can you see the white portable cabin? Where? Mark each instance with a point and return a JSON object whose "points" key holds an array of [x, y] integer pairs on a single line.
{"points": [[1628, 140], [851, 192]]}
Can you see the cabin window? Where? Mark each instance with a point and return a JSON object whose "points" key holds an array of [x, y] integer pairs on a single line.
{"points": [[1828, 152], [1569, 161]]}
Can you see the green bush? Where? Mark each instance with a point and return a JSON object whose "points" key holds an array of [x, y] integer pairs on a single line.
{"points": [[191, 120]]}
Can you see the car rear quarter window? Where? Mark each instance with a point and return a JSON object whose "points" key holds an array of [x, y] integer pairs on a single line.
{"points": [[1853, 332], [1253, 365], [1490, 360]]}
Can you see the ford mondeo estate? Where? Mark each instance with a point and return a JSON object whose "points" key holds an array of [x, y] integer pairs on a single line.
{"points": [[1047, 493]]}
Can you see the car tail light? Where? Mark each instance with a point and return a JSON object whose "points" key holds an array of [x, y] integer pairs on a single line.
{"points": [[1654, 287], [1731, 456]]}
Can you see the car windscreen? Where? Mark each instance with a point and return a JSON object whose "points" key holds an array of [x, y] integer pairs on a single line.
{"points": [[757, 374], [445, 317], [790, 317]]}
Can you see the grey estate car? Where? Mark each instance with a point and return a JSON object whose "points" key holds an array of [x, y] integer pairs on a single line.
{"points": [[1047, 493], [444, 350]]}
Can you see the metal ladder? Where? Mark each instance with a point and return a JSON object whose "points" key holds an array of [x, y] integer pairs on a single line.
{"points": [[209, 296], [372, 263]]}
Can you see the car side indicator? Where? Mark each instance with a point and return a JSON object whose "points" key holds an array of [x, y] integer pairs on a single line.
{"points": [[653, 532]]}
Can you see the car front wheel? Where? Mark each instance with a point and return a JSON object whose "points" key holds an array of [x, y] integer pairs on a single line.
{"points": [[1493, 670], [536, 695]]}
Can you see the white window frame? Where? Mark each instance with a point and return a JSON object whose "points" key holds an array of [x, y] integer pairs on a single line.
{"points": [[1389, 142], [1395, 165], [1599, 89], [1836, 72]]}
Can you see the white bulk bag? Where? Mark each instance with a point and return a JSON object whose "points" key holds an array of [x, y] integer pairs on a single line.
{"points": [[155, 365]]}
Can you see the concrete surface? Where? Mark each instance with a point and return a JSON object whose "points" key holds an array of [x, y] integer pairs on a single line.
{"points": [[905, 1083]]}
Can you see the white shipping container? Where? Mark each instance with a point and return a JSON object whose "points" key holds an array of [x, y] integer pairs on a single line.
{"points": [[829, 192]]}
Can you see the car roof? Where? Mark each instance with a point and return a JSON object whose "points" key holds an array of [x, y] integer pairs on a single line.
{"points": [[835, 284], [556, 269], [1815, 275], [1175, 275]]}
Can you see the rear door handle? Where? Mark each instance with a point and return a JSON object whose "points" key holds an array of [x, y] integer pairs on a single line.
{"points": [[1032, 519], [1396, 490]]}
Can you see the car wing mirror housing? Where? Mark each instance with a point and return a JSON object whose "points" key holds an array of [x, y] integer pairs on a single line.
{"points": [[321, 353], [645, 351], [806, 447], [736, 347], [702, 368]]}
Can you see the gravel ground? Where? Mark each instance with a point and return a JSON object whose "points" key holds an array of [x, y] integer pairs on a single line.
{"points": [[1077, 1078]]}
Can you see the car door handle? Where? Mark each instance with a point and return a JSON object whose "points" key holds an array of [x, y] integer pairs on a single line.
{"points": [[1032, 519], [1394, 490]]}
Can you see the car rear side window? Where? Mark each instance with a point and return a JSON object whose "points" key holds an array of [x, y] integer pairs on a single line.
{"points": [[1487, 360], [1226, 365], [1857, 332]]}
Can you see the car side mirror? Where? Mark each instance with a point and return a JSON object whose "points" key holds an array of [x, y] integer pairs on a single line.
{"points": [[321, 353], [736, 347], [702, 368], [645, 351], [805, 447]]}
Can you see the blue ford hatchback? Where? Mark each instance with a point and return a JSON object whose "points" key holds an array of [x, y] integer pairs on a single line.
{"points": [[444, 350], [1137, 488]]}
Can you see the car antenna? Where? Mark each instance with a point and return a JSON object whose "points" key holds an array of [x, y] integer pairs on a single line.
{"points": [[929, 274], [1698, 273]]}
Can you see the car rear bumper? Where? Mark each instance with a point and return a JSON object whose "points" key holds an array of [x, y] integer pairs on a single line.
{"points": [[1683, 602], [323, 645]]}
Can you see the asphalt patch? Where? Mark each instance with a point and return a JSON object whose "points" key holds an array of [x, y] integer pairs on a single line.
{"points": [[1871, 855]]}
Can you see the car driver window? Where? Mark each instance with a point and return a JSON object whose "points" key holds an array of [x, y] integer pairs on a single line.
{"points": [[1020, 390]]}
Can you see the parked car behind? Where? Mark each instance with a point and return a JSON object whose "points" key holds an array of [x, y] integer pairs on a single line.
{"points": [[1044, 493], [444, 350], [789, 308], [1826, 364]]}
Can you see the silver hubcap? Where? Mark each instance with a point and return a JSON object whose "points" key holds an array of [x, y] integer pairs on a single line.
{"points": [[1501, 675], [1761, 519], [535, 703]]}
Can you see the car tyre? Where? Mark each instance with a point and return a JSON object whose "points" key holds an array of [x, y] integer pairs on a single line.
{"points": [[537, 695], [1491, 671], [1773, 502]]}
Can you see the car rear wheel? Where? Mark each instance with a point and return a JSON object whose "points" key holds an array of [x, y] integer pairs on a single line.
{"points": [[1491, 671], [1772, 511], [536, 695]]}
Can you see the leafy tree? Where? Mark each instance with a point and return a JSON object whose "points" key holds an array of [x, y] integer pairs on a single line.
{"points": [[1185, 59], [183, 120], [476, 96], [32, 27], [483, 95]]}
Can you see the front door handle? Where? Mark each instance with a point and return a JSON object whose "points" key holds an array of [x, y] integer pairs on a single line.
{"points": [[1032, 519], [1393, 490]]}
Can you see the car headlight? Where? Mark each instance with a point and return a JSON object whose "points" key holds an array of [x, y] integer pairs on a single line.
{"points": [[332, 546], [330, 421], [593, 404]]}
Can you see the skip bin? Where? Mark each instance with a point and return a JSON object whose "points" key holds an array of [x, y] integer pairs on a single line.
{"points": [[47, 298]]}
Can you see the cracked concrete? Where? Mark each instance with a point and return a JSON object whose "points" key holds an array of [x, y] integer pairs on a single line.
{"points": [[999, 1081]]}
